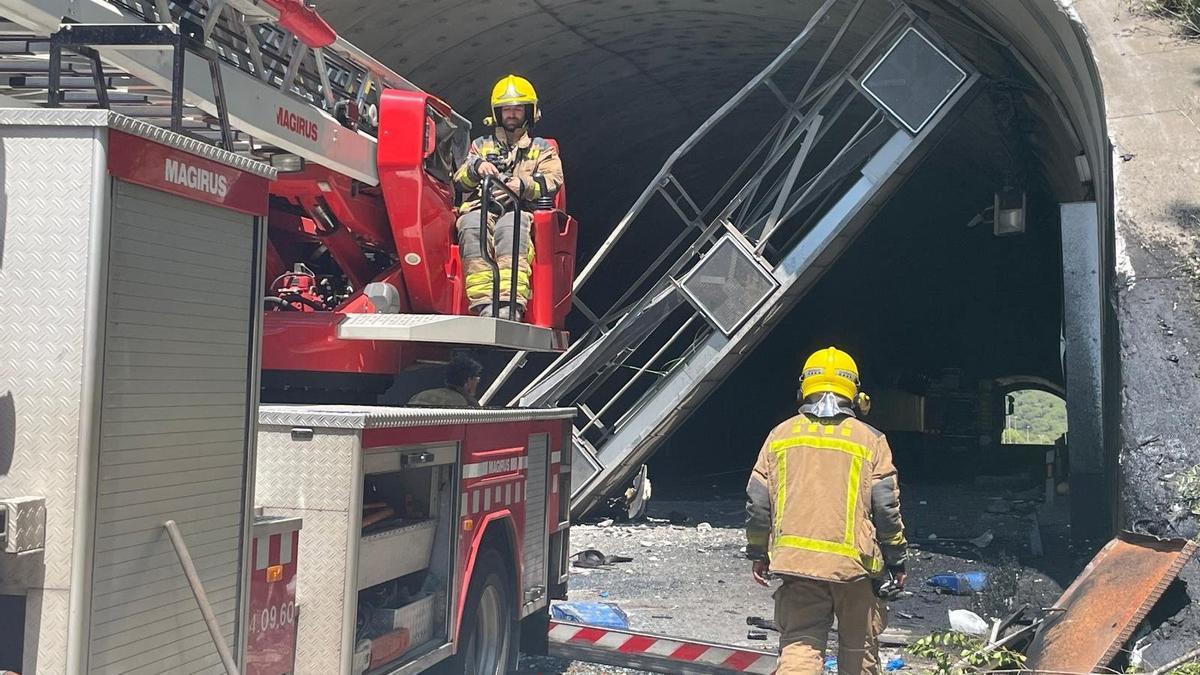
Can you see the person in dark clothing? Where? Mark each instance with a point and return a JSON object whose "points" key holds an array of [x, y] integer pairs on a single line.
{"points": [[462, 379]]}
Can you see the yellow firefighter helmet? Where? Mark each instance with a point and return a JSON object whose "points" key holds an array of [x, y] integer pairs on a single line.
{"points": [[515, 90], [829, 370]]}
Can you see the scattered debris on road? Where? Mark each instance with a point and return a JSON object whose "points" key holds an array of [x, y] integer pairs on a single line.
{"points": [[1006, 589]]}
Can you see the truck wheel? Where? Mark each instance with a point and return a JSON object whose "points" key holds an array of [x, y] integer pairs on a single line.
{"points": [[486, 641]]}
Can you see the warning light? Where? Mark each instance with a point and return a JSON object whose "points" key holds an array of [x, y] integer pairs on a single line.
{"points": [[468, 525], [274, 573]]}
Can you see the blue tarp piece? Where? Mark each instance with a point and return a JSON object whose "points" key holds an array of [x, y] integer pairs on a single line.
{"points": [[602, 614]]}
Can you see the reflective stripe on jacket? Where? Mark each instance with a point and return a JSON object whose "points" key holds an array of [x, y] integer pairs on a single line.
{"points": [[824, 502]]}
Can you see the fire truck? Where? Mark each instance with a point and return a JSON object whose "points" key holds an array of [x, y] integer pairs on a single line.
{"points": [[246, 228], [230, 202]]}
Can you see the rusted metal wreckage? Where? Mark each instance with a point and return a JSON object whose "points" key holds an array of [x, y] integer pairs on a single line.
{"points": [[1099, 612]]}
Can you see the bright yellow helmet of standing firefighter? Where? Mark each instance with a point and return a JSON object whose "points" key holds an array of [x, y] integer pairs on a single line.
{"points": [[829, 370], [515, 90]]}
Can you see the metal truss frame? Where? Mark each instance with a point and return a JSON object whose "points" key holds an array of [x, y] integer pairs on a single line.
{"points": [[796, 200]]}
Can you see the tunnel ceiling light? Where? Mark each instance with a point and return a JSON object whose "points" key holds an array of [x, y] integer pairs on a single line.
{"points": [[1009, 212], [1083, 168], [913, 80]]}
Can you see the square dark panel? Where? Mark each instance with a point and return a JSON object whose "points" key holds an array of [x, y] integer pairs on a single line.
{"points": [[728, 285], [913, 79]]}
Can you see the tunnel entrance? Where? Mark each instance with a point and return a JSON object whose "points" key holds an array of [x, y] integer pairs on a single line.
{"points": [[938, 309], [942, 309], [911, 205], [949, 313], [947, 316]]}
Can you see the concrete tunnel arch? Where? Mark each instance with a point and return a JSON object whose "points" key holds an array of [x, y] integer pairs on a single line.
{"points": [[623, 82]]}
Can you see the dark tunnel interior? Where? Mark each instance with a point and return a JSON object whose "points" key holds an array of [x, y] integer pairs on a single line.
{"points": [[928, 299], [922, 294]]}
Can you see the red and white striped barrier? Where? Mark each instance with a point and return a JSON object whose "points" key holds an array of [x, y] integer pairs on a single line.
{"points": [[665, 654]]}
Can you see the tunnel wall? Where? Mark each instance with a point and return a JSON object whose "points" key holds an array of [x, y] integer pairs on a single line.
{"points": [[1151, 117], [1051, 43], [1152, 84], [1130, 91]]}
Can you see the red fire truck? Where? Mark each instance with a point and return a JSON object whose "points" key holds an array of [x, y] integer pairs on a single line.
{"points": [[228, 201], [234, 200]]}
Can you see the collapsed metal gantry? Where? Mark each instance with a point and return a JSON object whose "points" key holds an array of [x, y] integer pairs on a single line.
{"points": [[863, 88]]}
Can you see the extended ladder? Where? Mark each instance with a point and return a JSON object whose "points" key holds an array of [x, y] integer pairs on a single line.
{"points": [[862, 91], [290, 84]]}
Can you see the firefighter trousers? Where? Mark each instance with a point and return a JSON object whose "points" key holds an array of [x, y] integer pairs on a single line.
{"points": [[805, 609], [477, 271]]}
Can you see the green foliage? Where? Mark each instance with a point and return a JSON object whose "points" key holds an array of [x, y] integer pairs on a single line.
{"points": [[1185, 13], [1187, 490], [1038, 417], [958, 653]]}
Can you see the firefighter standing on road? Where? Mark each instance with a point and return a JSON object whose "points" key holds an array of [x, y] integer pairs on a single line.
{"points": [[824, 514], [530, 167]]}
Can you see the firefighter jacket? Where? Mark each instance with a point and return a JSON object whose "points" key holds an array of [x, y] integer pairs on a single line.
{"points": [[520, 160], [824, 502]]}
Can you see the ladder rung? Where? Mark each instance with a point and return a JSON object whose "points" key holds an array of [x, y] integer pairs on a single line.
{"points": [[89, 98], [43, 81]]}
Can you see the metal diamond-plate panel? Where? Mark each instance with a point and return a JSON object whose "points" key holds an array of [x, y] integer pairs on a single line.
{"points": [[453, 329], [419, 617], [320, 589], [381, 417], [312, 480], [46, 641], [312, 474], [100, 118], [52, 117], [25, 524], [405, 320], [46, 206]]}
